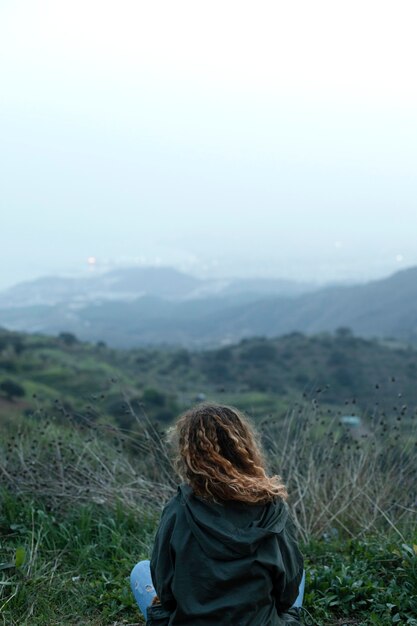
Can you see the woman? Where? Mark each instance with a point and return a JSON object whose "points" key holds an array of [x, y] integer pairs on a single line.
{"points": [[225, 552]]}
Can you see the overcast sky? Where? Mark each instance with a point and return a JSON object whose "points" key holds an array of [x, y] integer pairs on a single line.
{"points": [[223, 137]]}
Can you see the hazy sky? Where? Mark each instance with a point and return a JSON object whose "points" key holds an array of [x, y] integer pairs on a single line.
{"points": [[259, 138]]}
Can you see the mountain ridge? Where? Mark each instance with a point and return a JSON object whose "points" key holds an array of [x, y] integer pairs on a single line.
{"points": [[133, 282], [379, 308]]}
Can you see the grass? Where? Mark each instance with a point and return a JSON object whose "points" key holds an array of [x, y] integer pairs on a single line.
{"points": [[373, 581], [82, 492], [81, 503], [75, 565]]}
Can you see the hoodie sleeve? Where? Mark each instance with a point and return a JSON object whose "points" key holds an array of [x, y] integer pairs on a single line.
{"points": [[289, 573], [163, 560]]}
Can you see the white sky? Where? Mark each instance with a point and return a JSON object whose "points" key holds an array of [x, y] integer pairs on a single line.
{"points": [[259, 138]]}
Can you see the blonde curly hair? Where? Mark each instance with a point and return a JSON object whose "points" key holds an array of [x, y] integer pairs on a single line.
{"points": [[219, 456]]}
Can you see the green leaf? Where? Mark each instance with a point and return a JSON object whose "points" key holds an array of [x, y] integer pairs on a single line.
{"points": [[20, 557]]}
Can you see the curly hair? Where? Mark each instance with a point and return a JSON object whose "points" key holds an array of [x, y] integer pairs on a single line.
{"points": [[219, 457]]}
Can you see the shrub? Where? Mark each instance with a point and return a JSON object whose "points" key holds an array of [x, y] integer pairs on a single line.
{"points": [[69, 339], [11, 389]]}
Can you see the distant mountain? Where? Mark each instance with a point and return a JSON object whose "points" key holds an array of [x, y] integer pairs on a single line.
{"points": [[131, 283], [383, 308], [123, 284], [199, 317]]}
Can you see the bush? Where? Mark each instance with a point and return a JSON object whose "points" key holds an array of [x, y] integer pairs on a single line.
{"points": [[11, 389], [69, 339], [153, 397], [259, 352]]}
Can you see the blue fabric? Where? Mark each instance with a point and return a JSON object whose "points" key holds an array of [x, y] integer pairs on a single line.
{"points": [[144, 591], [299, 601], [142, 586]]}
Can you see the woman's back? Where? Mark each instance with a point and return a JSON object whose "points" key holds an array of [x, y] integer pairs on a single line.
{"points": [[230, 563], [224, 552]]}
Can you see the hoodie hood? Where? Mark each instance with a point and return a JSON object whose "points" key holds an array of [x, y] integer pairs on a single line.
{"points": [[233, 529]]}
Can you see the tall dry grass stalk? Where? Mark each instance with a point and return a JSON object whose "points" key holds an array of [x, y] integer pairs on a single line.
{"points": [[346, 480], [340, 481], [87, 462]]}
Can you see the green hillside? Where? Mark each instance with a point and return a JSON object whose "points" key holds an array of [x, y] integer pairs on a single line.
{"points": [[259, 375], [86, 467]]}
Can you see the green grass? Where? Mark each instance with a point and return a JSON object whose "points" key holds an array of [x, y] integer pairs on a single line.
{"points": [[373, 581], [72, 523], [82, 506], [76, 565]]}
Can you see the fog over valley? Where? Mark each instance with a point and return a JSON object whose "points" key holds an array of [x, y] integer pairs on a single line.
{"points": [[293, 157]]}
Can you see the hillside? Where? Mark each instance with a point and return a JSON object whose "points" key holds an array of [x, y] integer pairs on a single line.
{"points": [[259, 375], [130, 283], [85, 473], [179, 310]]}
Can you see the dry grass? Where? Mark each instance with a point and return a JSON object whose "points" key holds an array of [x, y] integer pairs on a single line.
{"points": [[79, 494], [349, 482]]}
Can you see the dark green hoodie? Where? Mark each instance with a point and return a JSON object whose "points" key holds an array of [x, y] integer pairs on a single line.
{"points": [[224, 564]]}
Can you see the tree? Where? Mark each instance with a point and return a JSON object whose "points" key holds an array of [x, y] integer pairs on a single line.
{"points": [[69, 339], [11, 389], [153, 397], [343, 377], [259, 352], [344, 332]]}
